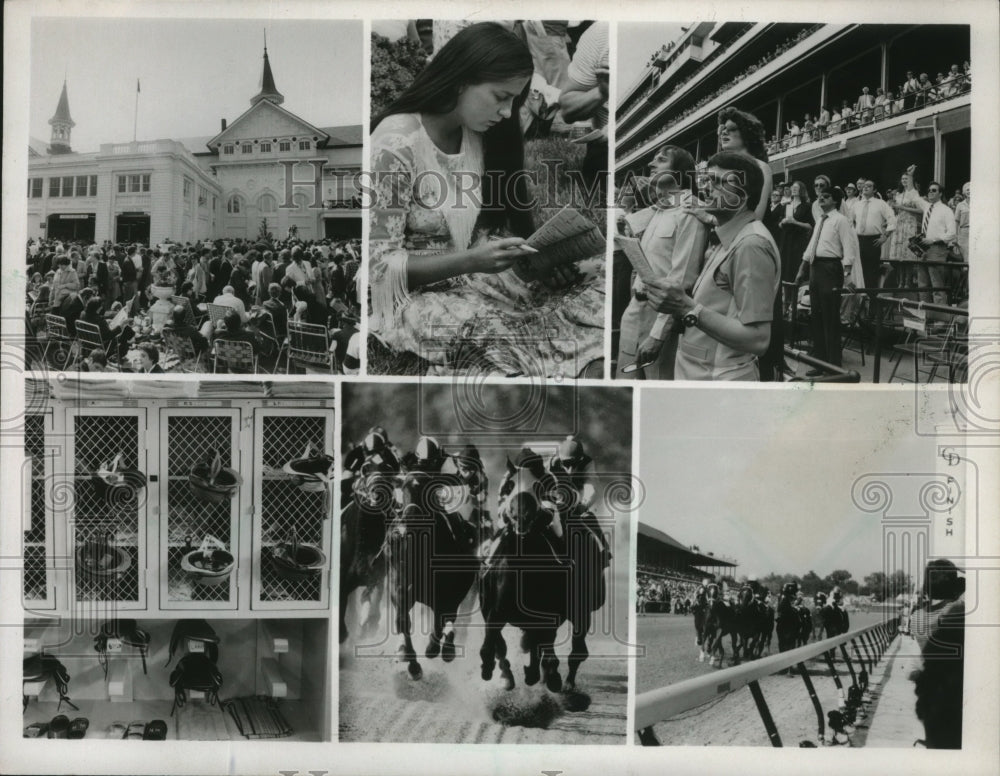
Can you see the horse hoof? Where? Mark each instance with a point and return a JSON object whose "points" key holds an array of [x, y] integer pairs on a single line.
{"points": [[508, 681], [433, 648], [531, 676], [416, 672], [486, 673], [569, 685], [554, 682], [448, 650]]}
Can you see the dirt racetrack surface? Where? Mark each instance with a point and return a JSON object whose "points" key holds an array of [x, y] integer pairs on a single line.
{"points": [[452, 704]]}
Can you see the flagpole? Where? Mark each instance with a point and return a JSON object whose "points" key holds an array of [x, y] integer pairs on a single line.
{"points": [[135, 121]]}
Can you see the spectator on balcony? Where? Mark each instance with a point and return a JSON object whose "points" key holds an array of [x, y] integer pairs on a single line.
{"points": [[850, 197], [847, 117], [926, 93], [865, 106], [823, 123], [808, 129], [774, 215], [836, 122], [909, 90], [793, 133], [881, 99]]}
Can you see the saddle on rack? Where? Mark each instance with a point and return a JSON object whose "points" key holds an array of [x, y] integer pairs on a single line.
{"points": [[126, 631], [194, 630], [196, 672], [41, 666]]}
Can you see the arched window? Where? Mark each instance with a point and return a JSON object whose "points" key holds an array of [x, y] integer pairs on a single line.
{"points": [[267, 203], [234, 205]]}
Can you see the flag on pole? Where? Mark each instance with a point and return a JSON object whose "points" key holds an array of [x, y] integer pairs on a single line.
{"points": [[137, 89]]}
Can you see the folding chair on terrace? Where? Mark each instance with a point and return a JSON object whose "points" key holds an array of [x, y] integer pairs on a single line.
{"points": [[235, 356], [309, 347]]}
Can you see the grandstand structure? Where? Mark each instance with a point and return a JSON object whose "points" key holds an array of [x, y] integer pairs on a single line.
{"points": [[780, 72], [658, 553]]}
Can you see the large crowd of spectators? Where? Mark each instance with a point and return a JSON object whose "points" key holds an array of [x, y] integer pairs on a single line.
{"points": [[113, 286], [677, 117], [914, 93], [671, 592]]}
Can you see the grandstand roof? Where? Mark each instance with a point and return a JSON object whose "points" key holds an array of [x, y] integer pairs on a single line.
{"points": [[690, 558]]}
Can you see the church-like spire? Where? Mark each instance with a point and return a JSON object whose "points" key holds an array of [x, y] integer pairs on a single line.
{"points": [[268, 91], [62, 125]]}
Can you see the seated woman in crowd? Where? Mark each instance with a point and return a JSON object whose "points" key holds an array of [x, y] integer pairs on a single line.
{"points": [[118, 339]]}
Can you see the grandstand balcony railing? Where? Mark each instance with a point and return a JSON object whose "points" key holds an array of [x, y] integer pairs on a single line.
{"points": [[631, 151], [868, 645]]}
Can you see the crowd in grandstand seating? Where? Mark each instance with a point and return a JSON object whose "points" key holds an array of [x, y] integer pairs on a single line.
{"points": [[671, 592], [113, 286], [912, 94], [676, 117]]}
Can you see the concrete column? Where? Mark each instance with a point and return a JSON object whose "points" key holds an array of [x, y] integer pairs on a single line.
{"points": [[822, 92], [939, 154], [781, 115], [884, 76]]}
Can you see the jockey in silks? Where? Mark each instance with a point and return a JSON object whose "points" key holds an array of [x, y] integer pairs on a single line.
{"points": [[375, 454], [426, 462], [571, 470], [473, 476]]}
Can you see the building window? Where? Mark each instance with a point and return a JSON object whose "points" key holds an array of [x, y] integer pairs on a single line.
{"points": [[202, 197], [234, 205], [188, 186], [67, 186], [267, 204], [305, 145], [81, 185], [285, 145], [215, 202], [227, 149], [35, 187], [122, 184], [131, 184], [54, 187], [247, 148], [145, 183], [265, 148], [93, 185]]}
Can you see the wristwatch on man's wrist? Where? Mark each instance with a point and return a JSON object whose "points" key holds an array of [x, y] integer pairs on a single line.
{"points": [[691, 317]]}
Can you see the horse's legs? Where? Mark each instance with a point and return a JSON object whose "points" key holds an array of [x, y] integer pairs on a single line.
{"points": [[501, 652], [550, 661], [374, 615], [488, 651], [406, 652], [578, 649], [530, 644]]}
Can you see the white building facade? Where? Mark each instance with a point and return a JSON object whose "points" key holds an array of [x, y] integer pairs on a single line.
{"points": [[267, 168]]}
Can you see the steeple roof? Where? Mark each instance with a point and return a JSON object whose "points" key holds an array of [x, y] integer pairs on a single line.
{"points": [[268, 91], [62, 110]]}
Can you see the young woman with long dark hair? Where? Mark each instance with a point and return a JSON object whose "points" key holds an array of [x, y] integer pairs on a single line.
{"points": [[451, 214]]}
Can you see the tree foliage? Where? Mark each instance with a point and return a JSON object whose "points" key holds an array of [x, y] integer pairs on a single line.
{"points": [[395, 63]]}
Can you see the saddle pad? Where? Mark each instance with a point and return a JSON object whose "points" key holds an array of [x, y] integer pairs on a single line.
{"points": [[199, 721], [258, 717]]}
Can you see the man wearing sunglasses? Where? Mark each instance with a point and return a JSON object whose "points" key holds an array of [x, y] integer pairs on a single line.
{"points": [[939, 234]]}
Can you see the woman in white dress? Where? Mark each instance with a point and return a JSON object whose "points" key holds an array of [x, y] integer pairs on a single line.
{"points": [[448, 167]]}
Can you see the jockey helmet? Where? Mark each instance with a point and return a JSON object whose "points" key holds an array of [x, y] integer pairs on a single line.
{"points": [[428, 449], [570, 448], [820, 598]]}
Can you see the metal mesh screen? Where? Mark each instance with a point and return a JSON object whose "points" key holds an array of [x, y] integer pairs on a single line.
{"points": [[35, 574], [284, 507], [190, 440], [34, 445], [101, 522]]}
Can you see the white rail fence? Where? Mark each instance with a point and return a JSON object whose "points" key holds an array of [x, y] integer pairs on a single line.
{"points": [[863, 647]]}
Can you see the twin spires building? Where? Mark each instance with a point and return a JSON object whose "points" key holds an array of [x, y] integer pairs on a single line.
{"points": [[266, 166]]}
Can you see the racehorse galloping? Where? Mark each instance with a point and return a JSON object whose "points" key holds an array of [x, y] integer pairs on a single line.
{"points": [[788, 622], [748, 624], [571, 545], [430, 555], [766, 625], [362, 534], [721, 621]]}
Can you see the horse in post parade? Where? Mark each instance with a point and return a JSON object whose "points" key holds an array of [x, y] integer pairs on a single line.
{"points": [[543, 569], [788, 621], [720, 622], [700, 609], [765, 623], [369, 495], [430, 554], [819, 631]]}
